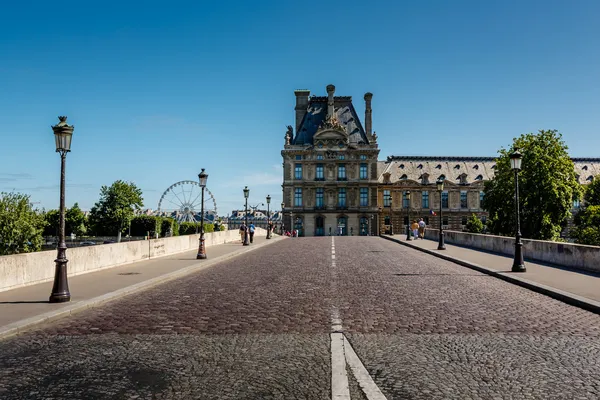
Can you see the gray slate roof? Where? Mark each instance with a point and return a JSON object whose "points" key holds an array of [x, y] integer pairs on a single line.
{"points": [[475, 168], [317, 112]]}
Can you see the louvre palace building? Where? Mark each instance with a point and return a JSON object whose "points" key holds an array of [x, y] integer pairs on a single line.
{"points": [[335, 184]]}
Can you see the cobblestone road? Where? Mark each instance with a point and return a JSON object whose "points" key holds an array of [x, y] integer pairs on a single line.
{"points": [[257, 327]]}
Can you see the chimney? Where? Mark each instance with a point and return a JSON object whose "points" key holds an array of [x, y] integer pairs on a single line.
{"points": [[330, 107], [301, 105], [368, 126]]}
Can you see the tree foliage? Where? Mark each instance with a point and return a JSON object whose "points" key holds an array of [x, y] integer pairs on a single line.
{"points": [[116, 207], [591, 194], [587, 220], [474, 224], [142, 224], [21, 227], [75, 221], [588, 226], [190, 228], [547, 187]]}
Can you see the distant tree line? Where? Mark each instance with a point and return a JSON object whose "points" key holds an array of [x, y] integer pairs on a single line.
{"points": [[22, 228]]}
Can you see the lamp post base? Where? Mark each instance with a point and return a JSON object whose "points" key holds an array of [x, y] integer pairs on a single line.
{"points": [[201, 249], [60, 289], [518, 263]]}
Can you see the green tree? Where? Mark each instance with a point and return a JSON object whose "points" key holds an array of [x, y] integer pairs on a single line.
{"points": [[547, 187], [52, 220], [588, 226], [115, 209], [591, 194], [142, 224], [75, 221], [474, 224], [21, 226]]}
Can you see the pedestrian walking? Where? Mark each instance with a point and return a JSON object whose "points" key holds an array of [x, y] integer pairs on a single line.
{"points": [[242, 231], [252, 228], [422, 228], [414, 227]]}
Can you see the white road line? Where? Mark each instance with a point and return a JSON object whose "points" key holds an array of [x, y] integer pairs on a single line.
{"points": [[342, 353], [339, 379], [361, 374]]}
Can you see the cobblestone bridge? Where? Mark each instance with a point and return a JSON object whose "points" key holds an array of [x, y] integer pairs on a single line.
{"points": [[312, 318]]}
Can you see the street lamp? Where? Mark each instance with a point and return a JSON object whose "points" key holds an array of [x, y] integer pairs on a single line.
{"points": [[282, 227], [408, 230], [246, 194], [203, 176], [518, 263], [63, 133], [440, 188], [268, 217]]}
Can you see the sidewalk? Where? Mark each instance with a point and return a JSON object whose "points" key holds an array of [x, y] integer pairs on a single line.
{"points": [[23, 308], [575, 287]]}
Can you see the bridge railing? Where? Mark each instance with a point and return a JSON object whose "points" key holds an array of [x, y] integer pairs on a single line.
{"points": [[570, 255]]}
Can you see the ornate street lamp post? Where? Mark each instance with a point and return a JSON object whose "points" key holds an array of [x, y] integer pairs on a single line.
{"points": [[268, 217], [246, 194], [203, 176], [408, 230], [391, 214], [440, 188], [282, 227], [518, 263], [63, 134]]}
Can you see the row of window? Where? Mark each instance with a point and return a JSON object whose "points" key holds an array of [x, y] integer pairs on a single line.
{"points": [[320, 194], [299, 157], [387, 220], [387, 199], [320, 175]]}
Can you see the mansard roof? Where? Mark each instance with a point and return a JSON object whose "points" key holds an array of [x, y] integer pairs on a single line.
{"points": [[457, 170], [472, 169], [317, 113]]}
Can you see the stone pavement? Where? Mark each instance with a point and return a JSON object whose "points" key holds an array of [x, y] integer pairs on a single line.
{"points": [[258, 327], [582, 288], [23, 308]]}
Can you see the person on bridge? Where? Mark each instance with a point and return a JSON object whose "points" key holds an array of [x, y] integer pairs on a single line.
{"points": [[252, 229], [415, 228], [242, 231], [422, 228]]}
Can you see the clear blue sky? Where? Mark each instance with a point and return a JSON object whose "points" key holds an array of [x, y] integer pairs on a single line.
{"points": [[158, 90]]}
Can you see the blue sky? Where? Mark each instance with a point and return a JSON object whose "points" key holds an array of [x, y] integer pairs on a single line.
{"points": [[158, 90]]}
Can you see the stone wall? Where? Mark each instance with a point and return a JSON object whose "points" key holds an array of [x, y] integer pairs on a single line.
{"points": [[564, 254], [30, 268]]}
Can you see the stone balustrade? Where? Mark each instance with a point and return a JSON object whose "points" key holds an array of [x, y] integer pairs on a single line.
{"points": [[570, 255], [30, 268]]}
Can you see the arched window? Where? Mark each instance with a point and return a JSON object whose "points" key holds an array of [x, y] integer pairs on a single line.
{"points": [[401, 166], [475, 166], [403, 177], [442, 177], [590, 178], [479, 178], [320, 226], [457, 166], [439, 166]]}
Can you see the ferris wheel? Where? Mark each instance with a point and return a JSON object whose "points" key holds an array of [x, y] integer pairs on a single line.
{"points": [[183, 202]]}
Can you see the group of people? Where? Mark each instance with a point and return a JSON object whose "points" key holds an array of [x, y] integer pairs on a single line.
{"points": [[418, 229], [250, 228]]}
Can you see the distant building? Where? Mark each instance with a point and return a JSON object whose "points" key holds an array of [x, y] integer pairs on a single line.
{"points": [[330, 167], [334, 185]]}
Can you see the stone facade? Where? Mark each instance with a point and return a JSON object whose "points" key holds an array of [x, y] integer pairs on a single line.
{"points": [[334, 184], [330, 170]]}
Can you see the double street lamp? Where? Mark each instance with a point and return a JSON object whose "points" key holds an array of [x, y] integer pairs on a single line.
{"points": [[515, 163], [440, 188], [246, 194], [203, 176], [268, 217], [63, 133], [408, 227]]}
